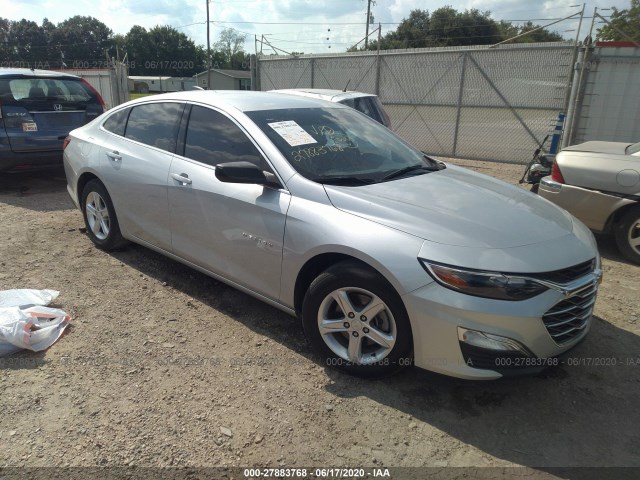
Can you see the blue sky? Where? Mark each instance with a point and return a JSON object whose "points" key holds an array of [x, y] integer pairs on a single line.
{"points": [[294, 25]]}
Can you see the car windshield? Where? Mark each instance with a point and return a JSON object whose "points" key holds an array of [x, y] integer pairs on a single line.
{"points": [[633, 149], [340, 146]]}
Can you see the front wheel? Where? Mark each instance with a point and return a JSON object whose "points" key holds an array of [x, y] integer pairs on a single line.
{"points": [[100, 217], [357, 322], [627, 233]]}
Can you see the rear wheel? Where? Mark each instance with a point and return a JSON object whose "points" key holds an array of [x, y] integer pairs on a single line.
{"points": [[627, 233], [100, 217], [356, 321]]}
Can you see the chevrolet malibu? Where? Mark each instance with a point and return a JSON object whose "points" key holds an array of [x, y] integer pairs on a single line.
{"points": [[388, 257]]}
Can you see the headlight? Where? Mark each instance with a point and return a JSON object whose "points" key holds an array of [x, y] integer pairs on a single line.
{"points": [[496, 285]]}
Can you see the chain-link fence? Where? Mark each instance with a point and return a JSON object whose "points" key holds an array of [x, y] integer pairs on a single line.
{"points": [[465, 102], [608, 106]]}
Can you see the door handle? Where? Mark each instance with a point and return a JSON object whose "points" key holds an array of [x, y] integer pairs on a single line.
{"points": [[182, 178], [115, 155]]}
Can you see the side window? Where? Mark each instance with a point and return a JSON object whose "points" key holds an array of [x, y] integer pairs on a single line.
{"points": [[212, 138], [155, 124], [117, 121]]}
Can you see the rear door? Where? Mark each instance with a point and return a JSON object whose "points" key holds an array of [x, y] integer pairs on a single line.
{"points": [[135, 150], [39, 112]]}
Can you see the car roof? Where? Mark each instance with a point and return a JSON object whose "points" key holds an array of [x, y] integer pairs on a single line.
{"points": [[243, 100], [324, 93], [27, 72]]}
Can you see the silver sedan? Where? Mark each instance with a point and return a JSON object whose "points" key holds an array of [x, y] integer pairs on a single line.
{"points": [[389, 258]]}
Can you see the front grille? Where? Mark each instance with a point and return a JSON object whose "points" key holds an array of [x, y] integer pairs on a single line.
{"points": [[567, 319], [566, 275]]}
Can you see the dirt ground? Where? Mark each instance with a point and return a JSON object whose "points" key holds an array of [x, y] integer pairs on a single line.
{"points": [[163, 366]]}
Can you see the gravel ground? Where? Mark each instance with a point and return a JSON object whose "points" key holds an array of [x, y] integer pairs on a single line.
{"points": [[163, 366]]}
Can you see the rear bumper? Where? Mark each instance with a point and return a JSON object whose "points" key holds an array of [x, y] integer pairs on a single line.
{"points": [[591, 207], [11, 161]]}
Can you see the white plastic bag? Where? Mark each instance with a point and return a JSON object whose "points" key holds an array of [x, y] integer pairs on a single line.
{"points": [[25, 296], [34, 328]]}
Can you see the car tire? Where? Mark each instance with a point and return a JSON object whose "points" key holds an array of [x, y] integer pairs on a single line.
{"points": [[337, 327], [100, 217], [627, 233]]}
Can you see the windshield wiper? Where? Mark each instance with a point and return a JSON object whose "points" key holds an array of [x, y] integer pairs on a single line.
{"points": [[409, 169], [343, 180]]}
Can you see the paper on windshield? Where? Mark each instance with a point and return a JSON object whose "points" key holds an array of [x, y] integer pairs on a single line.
{"points": [[292, 133]]}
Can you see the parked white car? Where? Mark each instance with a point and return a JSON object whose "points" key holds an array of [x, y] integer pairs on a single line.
{"points": [[366, 103], [599, 182]]}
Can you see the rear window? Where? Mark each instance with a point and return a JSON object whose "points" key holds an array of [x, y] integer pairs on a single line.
{"points": [[42, 93], [117, 122], [366, 105]]}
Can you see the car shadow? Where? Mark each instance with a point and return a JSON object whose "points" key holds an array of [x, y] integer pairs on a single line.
{"points": [[50, 187], [582, 412], [609, 250]]}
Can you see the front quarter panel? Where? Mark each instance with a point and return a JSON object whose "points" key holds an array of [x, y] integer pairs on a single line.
{"points": [[316, 227]]}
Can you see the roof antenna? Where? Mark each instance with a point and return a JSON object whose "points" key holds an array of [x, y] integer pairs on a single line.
{"points": [[345, 87]]}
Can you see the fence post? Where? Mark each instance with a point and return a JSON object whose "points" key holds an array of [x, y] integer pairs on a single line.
{"points": [[460, 93], [313, 65], [582, 83], [378, 60], [571, 104], [253, 66]]}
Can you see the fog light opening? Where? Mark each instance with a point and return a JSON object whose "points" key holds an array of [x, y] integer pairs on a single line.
{"points": [[489, 341]]}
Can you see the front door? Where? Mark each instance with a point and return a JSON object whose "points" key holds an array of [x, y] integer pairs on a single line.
{"points": [[234, 230]]}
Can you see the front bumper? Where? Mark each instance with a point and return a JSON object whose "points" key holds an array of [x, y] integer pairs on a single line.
{"points": [[438, 315], [591, 207]]}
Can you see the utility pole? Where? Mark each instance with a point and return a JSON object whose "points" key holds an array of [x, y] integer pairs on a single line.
{"points": [[366, 38], [208, 51]]}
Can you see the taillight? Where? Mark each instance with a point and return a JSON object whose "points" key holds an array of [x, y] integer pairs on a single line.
{"points": [[66, 142], [556, 174], [88, 85]]}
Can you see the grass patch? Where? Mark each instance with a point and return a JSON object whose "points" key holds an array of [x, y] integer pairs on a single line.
{"points": [[133, 96]]}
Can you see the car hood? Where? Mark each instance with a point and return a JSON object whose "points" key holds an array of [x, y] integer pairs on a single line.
{"points": [[616, 148], [456, 207]]}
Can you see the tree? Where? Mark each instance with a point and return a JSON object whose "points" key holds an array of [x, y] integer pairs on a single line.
{"points": [[444, 27], [172, 53], [509, 30], [625, 22], [137, 48], [5, 39], [230, 43], [28, 40], [448, 27], [82, 40]]}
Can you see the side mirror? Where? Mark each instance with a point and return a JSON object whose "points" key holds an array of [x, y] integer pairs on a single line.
{"points": [[244, 172]]}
